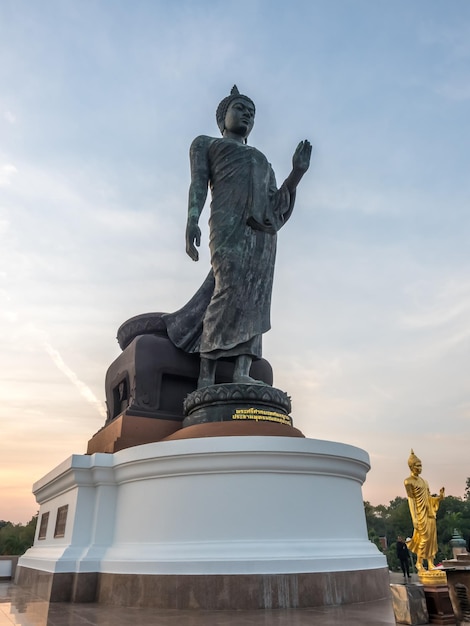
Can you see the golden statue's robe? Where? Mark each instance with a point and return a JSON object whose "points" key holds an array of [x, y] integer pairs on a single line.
{"points": [[423, 509]]}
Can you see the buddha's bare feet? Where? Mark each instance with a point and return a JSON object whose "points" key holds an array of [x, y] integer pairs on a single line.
{"points": [[247, 380]]}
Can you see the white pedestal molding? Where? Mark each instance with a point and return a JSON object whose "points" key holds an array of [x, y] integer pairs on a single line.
{"points": [[219, 522]]}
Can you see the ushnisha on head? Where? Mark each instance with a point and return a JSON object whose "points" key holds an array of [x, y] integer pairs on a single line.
{"points": [[229, 105], [414, 463]]}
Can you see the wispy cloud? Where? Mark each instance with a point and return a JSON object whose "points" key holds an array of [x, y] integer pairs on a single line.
{"points": [[4, 225], [9, 117], [457, 89], [84, 390], [432, 318], [7, 171], [437, 305], [371, 300], [455, 39]]}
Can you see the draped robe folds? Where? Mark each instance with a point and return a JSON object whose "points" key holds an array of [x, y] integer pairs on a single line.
{"points": [[231, 310], [423, 509]]}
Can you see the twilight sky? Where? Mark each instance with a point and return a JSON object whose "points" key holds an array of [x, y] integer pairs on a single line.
{"points": [[99, 102]]}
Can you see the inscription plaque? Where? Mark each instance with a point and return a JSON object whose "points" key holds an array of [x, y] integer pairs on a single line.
{"points": [[60, 521]]}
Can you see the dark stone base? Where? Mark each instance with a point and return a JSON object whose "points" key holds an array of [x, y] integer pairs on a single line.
{"points": [[58, 587], [439, 604], [458, 582], [217, 592], [409, 604], [152, 377], [237, 402]]}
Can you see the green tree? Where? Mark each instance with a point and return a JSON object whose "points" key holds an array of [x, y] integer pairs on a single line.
{"points": [[399, 519], [395, 519], [15, 539], [453, 515], [389, 522], [373, 523]]}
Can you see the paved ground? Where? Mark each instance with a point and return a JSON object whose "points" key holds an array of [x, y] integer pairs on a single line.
{"points": [[20, 608], [398, 578]]}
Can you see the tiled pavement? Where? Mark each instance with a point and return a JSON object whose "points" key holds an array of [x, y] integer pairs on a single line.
{"points": [[20, 608]]}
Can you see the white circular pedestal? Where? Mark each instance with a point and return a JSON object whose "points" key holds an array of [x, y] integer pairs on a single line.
{"points": [[237, 505], [222, 522]]}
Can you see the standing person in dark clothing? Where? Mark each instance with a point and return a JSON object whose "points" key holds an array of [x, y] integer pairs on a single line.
{"points": [[404, 557]]}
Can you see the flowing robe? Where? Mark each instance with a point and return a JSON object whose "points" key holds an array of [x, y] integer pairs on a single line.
{"points": [[423, 509], [231, 310]]}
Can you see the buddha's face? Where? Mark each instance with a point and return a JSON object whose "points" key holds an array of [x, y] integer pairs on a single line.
{"points": [[417, 467], [240, 117]]}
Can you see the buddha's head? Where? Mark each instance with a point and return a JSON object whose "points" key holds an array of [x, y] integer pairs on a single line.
{"points": [[236, 114], [414, 463]]}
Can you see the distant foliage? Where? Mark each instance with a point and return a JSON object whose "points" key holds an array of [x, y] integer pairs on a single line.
{"points": [[395, 519], [15, 539]]}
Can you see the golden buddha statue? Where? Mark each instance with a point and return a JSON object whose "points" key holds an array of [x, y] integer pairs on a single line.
{"points": [[423, 509]]}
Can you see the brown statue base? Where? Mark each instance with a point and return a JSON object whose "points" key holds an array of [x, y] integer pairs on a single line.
{"points": [[458, 581], [235, 429], [439, 604], [127, 431]]}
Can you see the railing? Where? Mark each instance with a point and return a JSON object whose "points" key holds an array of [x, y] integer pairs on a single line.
{"points": [[8, 567]]}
